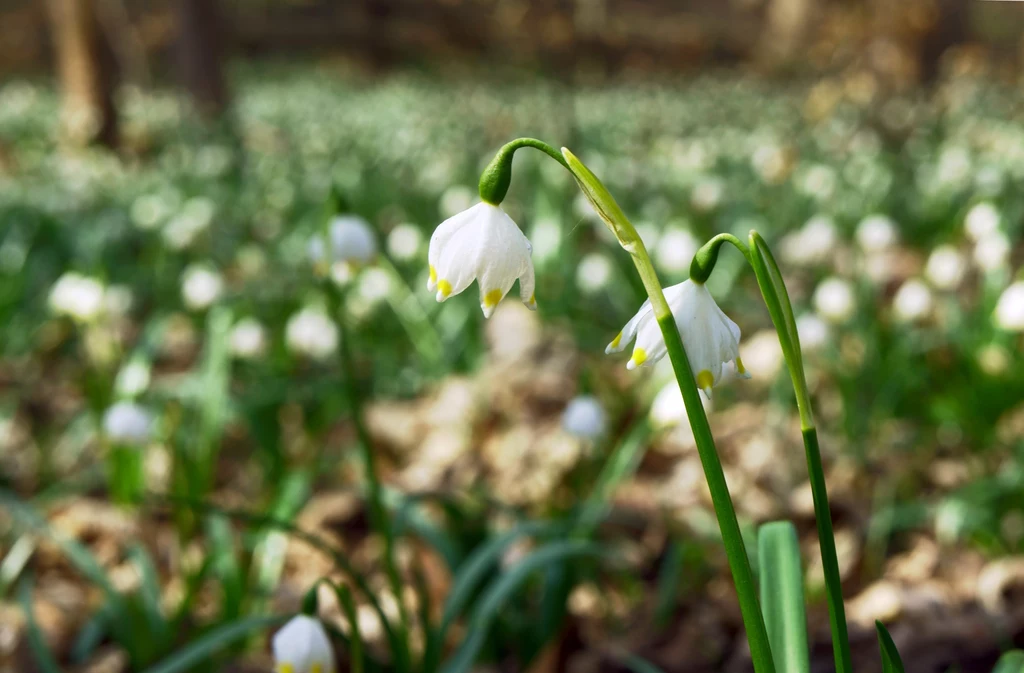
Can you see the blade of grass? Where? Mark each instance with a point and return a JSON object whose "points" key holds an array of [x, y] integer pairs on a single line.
{"points": [[891, 662], [41, 651], [782, 596], [219, 638]]}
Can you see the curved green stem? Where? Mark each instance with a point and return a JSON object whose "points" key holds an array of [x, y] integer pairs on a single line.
{"points": [[496, 178], [739, 563], [776, 298], [704, 261]]}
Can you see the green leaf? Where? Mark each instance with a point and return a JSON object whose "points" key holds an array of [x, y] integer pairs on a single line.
{"points": [[41, 651], [602, 200], [668, 583], [504, 588], [891, 662], [201, 649], [782, 596], [150, 597], [1010, 662]]}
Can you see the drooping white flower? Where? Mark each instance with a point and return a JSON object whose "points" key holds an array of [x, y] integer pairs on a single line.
{"points": [[584, 417], [876, 233], [992, 252], [133, 379], [352, 240], [710, 338], [1009, 313], [302, 646], [945, 267], [913, 301], [201, 286], [981, 220], [310, 332], [127, 423], [77, 296], [247, 339], [485, 245], [834, 299]]}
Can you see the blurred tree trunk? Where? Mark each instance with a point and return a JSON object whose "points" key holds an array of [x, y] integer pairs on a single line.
{"points": [[201, 47], [87, 72]]}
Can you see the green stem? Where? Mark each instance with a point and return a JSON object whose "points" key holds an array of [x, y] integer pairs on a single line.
{"points": [[496, 178], [732, 538], [378, 516], [776, 298]]}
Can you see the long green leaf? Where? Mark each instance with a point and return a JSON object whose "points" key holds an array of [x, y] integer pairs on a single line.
{"points": [[42, 653], [1010, 662], [891, 662], [214, 641], [504, 588], [782, 596]]}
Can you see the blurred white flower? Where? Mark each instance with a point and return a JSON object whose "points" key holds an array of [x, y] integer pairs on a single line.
{"points": [[913, 301], [455, 200], [149, 210], [675, 250], [302, 646], [584, 417], [127, 423], [546, 238], [352, 240], [707, 194], [709, 337], [812, 331], [482, 244], [993, 359], [981, 220], [954, 166], [594, 272], [374, 285], [404, 242], [769, 162], [818, 181], [133, 379], [195, 217], [1009, 313], [77, 296], [834, 300], [201, 286], [876, 233], [118, 300], [762, 354], [310, 332], [945, 267], [992, 252], [813, 243], [247, 339], [668, 409]]}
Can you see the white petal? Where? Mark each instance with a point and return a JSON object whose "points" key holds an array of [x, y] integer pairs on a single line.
{"points": [[443, 234], [625, 337], [303, 643], [527, 284], [650, 345]]}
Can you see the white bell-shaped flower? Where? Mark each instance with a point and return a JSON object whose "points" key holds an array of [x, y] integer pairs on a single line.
{"points": [[482, 244], [127, 423], [710, 338], [584, 417], [302, 646]]}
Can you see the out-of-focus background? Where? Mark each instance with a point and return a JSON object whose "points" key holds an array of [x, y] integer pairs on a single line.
{"points": [[165, 165]]}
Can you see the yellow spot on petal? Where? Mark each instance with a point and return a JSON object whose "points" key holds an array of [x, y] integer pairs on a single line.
{"points": [[285, 668], [739, 366], [616, 341], [533, 299], [492, 298], [639, 356], [444, 287], [705, 379], [433, 274]]}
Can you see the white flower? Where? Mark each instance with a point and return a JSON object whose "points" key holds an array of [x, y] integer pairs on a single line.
{"points": [[118, 300], [584, 417], [675, 250], [127, 423], [1009, 313], [404, 242], [710, 338], [945, 267], [201, 285], [247, 339], [834, 299], [876, 233], [482, 244], [981, 220], [594, 272], [374, 286], [310, 332], [707, 194], [812, 244], [812, 331], [302, 646], [352, 240], [668, 410], [992, 251], [913, 301], [77, 296], [195, 218], [133, 379]]}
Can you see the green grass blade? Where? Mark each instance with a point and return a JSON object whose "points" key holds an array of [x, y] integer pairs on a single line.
{"points": [[668, 583], [202, 648], [502, 589], [355, 637], [150, 597], [41, 651], [782, 596], [14, 562], [1010, 662], [891, 662]]}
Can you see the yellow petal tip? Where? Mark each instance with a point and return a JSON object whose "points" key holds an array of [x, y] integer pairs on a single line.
{"points": [[705, 380]]}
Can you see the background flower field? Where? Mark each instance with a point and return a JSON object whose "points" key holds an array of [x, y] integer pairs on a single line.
{"points": [[175, 281]]}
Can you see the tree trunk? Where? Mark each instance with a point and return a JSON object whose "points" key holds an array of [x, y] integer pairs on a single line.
{"points": [[200, 43], [86, 69]]}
